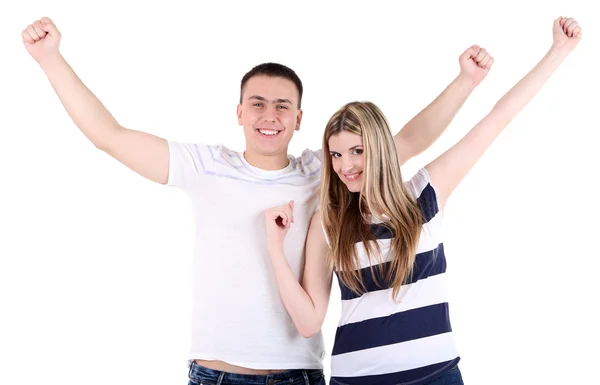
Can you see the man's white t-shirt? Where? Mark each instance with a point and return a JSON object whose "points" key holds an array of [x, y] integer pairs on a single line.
{"points": [[238, 315]]}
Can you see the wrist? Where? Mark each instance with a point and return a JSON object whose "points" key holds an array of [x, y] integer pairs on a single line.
{"points": [[276, 251], [278, 260], [465, 82], [559, 51], [51, 61]]}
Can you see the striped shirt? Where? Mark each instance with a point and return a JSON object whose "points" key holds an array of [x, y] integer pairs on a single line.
{"points": [[408, 341]]}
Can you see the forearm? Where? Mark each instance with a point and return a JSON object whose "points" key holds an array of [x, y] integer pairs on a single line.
{"points": [[427, 126], [522, 93], [84, 108], [451, 167], [295, 299]]}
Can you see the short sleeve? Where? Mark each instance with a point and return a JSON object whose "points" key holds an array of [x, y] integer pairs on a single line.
{"points": [[185, 164], [319, 154], [423, 191]]}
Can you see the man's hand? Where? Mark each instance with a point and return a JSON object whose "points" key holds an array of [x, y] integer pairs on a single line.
{"points": [[41, 39]]}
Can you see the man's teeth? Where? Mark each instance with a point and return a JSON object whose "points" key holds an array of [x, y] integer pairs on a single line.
{"points": [[269, 132]]}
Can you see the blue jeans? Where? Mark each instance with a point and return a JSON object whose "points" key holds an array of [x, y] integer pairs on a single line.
{"points": [[199, 375], [451, 377]]}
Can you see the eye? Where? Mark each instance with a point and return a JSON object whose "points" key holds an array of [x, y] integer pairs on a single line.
{"points": [[357, 151], [282, 107], [335, 155], [257, 104]]}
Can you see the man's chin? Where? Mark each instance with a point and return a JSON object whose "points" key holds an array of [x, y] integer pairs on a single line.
{"points": [[270, 149]]}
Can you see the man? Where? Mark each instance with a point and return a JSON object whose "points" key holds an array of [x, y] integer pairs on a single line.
{"points": [[241, 331]]}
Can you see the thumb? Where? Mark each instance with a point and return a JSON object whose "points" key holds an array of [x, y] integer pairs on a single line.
{"points": [[471, 52], [49, 27]]}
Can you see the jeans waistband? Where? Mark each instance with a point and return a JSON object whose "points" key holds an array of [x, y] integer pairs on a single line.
{"points": [[201, 374]]}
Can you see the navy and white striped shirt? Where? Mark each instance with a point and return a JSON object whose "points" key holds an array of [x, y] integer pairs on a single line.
{"points": [[408, 341]]}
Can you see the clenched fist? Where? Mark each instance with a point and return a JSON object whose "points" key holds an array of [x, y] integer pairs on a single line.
{"points": [[41, 39], [475, 63], [566, 33], [278, 221]]}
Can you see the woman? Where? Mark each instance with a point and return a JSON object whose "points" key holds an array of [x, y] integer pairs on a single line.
{"points": [[383, 239]]}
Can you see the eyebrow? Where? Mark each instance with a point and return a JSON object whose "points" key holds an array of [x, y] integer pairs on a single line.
{"points": [[351, 148], [256, 97]]}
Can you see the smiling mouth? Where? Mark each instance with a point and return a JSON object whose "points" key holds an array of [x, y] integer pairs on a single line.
{"points": [[352, 177], [268, 132]]}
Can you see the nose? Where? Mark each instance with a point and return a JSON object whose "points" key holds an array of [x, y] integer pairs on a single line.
{"points": [[347, 164], [270, 114]]}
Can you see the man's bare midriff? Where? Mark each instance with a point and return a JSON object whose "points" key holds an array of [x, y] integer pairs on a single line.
{"points": [[225, 367]]}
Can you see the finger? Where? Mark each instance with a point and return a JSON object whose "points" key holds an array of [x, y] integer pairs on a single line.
{"points": [[288, 214], [483, 63], [32, 33], [283, 214], [37, 27], [577, 32], [571, 28], [480, 62], [567, 23], [26, 37], [275, 214], [489, 64], [480, 55], [561, 21]]}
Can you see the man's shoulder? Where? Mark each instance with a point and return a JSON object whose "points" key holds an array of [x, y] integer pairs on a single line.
{"points": [[309, 162]]}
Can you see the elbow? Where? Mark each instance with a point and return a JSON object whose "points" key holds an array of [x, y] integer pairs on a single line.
{"points": [[100, 145], [309, 331], [500, 108], [106, 142], [502, 114]]}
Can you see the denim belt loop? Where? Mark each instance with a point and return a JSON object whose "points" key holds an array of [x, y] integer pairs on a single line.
{"points": [[220, 379], [306, 380]]}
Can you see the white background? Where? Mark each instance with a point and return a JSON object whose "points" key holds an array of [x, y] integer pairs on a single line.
{"points": [[95, 260]]}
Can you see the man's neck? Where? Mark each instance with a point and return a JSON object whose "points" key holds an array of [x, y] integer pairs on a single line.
{"points": [[267, 162]]}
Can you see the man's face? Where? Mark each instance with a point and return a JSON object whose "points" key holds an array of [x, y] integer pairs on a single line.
{"points": [[269, 114]]}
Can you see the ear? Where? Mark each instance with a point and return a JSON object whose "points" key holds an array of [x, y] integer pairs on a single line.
{"points": [[298, 120], [239, 114]]}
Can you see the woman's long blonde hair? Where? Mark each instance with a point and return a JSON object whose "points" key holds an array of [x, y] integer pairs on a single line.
{"points": [[347, 216]]}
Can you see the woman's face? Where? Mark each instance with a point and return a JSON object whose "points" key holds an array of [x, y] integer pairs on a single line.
{"points": [[347, 158]]}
